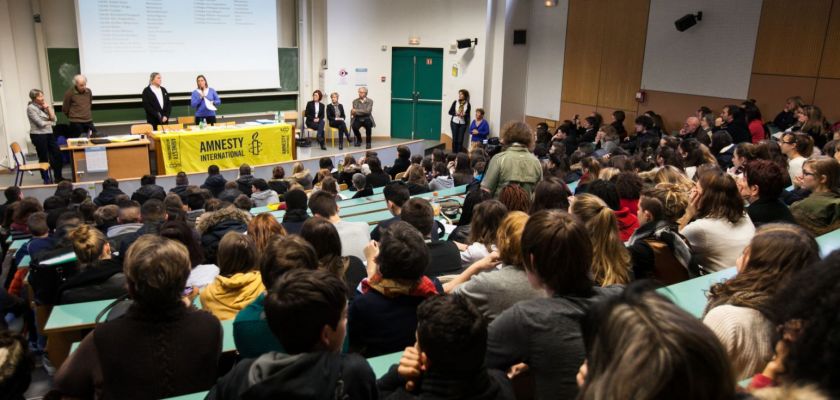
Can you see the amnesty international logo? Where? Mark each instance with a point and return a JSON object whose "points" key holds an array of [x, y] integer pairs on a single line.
{"points": [[255, 148]]}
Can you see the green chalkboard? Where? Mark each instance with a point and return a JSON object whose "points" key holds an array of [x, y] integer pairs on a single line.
{"points": [[64, 64]]}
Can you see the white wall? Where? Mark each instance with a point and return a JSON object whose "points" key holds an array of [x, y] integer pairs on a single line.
{"points": [[357, 30], [713, 58], [515, 72], [546, 50], [18, 69]]}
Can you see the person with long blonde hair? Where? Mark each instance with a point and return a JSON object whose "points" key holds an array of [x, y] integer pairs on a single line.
{"points": [[610, 259]]}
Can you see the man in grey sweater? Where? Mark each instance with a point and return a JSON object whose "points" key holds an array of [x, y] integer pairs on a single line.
{"points": [[362, 117]]}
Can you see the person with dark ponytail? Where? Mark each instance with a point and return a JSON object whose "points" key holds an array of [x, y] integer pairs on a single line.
{"points": [[160, 348]]}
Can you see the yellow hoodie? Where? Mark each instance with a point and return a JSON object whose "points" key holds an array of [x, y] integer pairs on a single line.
{"points": [[227, 295]]}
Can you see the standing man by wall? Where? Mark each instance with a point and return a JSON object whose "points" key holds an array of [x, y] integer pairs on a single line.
{"points": [[77, 107]]}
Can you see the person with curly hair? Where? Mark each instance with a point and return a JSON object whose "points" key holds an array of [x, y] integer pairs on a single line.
{"points": [[516, 164]]}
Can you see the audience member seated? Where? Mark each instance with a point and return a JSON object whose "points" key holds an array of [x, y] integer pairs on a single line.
{"points": [[175, 208], [201, 274], [402, 161], [491, 288], [262, 228], [761, 185], [720, 228], [735, 123], [17, 364], [606, 191], [348, 169], [152, 215], [740, 309], [462, 174], [195, 203], [550, 194], [819, 213], [238, 282], [545, 333], [229, 192], [128, 219], [251, 332], [278, 181], [360, 186], [797, 147], [382, 319], [444, 256], [806, 352], [396, 194], [629, 186], [12, 195], [654, 349], [516, 163], [448, 359], [261, 194], [441, 179], [377, 177], [105, 217], [354, 235], [296, 213], [243, 203], [215, 182], [323, 236], [723, 149], [40, 241], [160, 348], [100, 277], [301, 176], [307, 312], [787, 117], [486, 219], [657, 249], [148, 190], [416, 179], [515, 198], [214, 225], [182, 182], [21, 211], [610, 259], [110, 190], [245, 179]]}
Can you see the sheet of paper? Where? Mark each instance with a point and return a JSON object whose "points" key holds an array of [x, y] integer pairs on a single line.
{"points": [[96, 159], [209, 104]]}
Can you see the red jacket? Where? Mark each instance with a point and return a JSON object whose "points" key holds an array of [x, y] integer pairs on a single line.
{"points": [[630, 204], [627, 223], [756, 130]]}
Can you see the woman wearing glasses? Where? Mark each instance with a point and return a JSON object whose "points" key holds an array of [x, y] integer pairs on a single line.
{"points": [[796, 146], [819, 212]]}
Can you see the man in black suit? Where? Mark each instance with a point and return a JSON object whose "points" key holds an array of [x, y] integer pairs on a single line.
{"points": [[156, 102], [314, 116], [336, 116]]}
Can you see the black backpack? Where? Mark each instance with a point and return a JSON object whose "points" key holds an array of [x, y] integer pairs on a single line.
{"points": [[47, 277]]}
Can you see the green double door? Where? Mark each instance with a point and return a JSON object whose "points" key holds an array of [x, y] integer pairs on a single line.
{"points": [[416, 92]]}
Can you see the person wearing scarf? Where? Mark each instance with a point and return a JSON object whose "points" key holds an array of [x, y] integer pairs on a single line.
{"points": [[657, 249], [382, 318], [460, 118]]}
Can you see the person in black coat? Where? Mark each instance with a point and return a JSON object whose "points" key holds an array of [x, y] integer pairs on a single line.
{"points": [[313, 116], [215, 182], [764, 186], [156, 102], [110, 191], [296, 213], [460, 119], [148, 190], [337, 117], [787, 117], [402, 162], [735, 123]]}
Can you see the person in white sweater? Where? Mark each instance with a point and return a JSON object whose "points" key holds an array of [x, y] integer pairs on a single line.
{"points": [[487, 216], [796, 146], [740, 311], [716, 223]]}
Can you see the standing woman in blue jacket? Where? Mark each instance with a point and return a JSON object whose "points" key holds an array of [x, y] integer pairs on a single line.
{"points": [[200, 97], [460, 112]]}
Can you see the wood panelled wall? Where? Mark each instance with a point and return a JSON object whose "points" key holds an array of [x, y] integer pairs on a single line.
{"points": [[797, 53]]}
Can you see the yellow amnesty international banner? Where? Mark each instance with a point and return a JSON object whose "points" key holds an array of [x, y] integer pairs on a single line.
{"points": [[227, 148]]}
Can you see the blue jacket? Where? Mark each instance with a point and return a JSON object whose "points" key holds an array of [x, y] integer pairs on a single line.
{"points": [[483, 131], [198, 104]]}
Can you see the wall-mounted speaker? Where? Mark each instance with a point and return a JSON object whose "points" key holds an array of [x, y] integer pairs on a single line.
{"points": [[519, 36]]}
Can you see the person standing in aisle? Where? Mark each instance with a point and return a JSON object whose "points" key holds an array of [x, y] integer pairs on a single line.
{"points": [[41, 119], [460, 112], [362, 117], [204, 100], [156, 102], [77, 104], [313, 116]]}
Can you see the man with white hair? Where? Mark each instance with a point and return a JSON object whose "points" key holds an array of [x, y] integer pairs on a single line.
{"points": [[691, 128], [76, 106], [362, 109]]}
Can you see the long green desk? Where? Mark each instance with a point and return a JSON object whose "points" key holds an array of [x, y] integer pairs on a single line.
{"points": [[829, 242], [17, 244], [369, 206], [25, 261], [572, 186], [691, 294]]}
